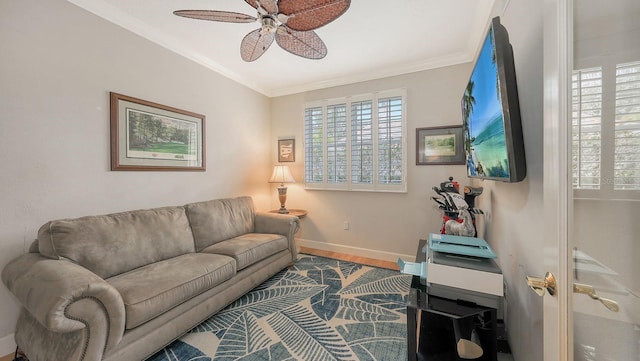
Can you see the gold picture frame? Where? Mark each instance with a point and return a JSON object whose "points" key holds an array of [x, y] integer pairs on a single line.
{"points": [[147, 136]]}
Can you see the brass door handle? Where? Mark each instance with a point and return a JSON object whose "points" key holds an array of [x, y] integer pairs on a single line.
{"points": [[538, 285], [588, 290]]}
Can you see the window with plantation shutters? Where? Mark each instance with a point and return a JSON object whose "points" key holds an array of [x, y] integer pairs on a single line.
{"points": [[390, 132], [627, 127], [313, 145], [587, 118], [337, 143], [362, 143], [606, 130]]}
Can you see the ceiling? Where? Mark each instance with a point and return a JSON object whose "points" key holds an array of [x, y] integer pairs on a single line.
{"points": [[372, 39]]}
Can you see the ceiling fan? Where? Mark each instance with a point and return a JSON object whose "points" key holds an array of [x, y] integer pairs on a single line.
{"points": [[289, 22]]}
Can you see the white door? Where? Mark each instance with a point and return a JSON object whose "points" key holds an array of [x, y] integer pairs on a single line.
{"points": [[592, 179]]}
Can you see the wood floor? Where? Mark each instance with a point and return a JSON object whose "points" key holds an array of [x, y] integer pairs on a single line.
{"points": [[317, 252], [349, 258]]}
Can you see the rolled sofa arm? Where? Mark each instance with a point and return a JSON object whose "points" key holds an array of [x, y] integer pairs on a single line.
{"points": [[50, 290], [276, 223]]}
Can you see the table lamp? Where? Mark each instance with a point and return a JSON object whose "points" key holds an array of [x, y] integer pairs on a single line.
{"points": [[282, 174]]}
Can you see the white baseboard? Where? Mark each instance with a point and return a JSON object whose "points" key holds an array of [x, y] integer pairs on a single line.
{"points": [[7, 345], [355, 251]]}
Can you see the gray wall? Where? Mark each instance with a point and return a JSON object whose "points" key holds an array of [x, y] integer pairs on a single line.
{"points": [[57, 67], [514, 225], [382, 225]]}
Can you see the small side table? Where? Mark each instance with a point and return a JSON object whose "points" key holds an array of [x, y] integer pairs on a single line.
{"points": [[300, 213]]}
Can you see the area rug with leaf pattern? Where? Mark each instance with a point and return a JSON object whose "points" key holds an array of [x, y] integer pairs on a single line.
{"points": [[319, 309]]}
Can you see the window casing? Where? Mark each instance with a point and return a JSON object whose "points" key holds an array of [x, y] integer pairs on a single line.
{"points": [[357, 143]]}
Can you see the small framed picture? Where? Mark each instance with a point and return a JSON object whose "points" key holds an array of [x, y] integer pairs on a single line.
{"points": [[286, 150], [439, 145]]}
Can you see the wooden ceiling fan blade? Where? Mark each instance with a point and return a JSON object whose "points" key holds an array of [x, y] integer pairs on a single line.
{"points": [[255, 44], [306, 44], [269, 6], [311, 14], [215, 15]]}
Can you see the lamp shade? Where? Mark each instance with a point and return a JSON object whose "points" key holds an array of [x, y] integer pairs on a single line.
{"points": [[281, 174]]}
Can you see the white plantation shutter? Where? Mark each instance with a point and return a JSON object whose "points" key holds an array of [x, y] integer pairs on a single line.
{"points": [[362, 142], [587, 132], [390, 136], [337, 143], [313, 140], [606, 131], [363, 147], [627, 127]]}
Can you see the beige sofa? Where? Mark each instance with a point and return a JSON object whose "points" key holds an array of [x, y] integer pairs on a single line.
{"points": [[122, 286]]}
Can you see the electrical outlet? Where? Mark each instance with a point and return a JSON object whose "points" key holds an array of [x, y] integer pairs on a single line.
{"points": [[345, 226]]}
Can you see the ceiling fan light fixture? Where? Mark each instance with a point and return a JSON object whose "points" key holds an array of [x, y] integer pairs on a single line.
{"points": [[289, 22], [269, 24]]}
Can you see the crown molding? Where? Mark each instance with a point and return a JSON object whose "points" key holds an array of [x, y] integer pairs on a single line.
{"points": [[352, 78], [122, 19]]}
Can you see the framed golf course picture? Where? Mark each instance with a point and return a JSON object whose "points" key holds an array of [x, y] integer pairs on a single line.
{"points": [[147, 136]]}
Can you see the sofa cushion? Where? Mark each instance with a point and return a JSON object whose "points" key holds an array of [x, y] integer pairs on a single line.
{"points": [[249, 248], [221, 219], [116, 243], [153, 289]]}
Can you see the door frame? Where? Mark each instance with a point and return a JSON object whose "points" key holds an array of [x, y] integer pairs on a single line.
{"points": [[557, 188]]}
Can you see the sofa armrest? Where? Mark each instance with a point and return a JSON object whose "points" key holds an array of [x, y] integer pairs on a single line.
{"points": [[276, 223], [48, 290]]}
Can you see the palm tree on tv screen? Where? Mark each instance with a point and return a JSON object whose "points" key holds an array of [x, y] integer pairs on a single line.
{"points": [[468, 101]]}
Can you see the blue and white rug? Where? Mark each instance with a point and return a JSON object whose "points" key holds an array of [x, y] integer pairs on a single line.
{"points": [[320, 309]]}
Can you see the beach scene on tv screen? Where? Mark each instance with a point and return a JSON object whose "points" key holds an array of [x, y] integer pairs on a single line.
{"points": [[485, 142]]}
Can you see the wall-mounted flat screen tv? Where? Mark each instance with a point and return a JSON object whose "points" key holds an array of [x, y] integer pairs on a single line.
{"points": [[491, 113]]}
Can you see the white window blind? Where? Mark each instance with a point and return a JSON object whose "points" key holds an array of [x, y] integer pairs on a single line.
{"points": [[337, 143], [364, 148], [362, 142], [606, 130], [390, 133], [586, 125], [627, 127], [313, 140]]}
